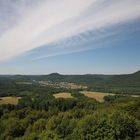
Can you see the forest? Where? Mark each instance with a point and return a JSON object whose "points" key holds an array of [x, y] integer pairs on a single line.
{"points": [[40, 116]]}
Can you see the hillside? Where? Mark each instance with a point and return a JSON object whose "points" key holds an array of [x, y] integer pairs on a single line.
{"points": [[112, 83]]}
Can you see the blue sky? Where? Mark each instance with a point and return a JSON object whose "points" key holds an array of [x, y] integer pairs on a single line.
{"points": [[72, 37]]}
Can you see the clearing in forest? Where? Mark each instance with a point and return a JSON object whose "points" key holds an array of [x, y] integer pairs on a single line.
{"points": [[99, 96], [9, 100], [63, 95]]}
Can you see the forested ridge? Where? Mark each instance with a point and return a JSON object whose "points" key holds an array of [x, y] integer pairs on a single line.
{"points": [[126, 83]]}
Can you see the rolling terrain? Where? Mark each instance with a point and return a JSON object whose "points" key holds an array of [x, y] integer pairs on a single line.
{"points": [[125, 84], [68, 107]]}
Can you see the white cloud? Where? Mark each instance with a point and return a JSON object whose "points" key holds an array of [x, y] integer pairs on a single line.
{"points": [[54, 20]]}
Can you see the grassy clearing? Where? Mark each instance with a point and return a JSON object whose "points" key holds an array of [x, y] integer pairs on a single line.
{"points": [[99, 96], [63, 95], [9, 100], [135, 96]]}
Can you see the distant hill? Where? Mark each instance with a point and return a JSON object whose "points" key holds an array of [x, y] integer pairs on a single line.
{"points": [[111, 83]]}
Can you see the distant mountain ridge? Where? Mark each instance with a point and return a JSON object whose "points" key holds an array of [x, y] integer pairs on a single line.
{"points": [[87, 79]]}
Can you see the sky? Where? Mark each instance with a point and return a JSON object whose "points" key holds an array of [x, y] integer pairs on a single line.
{"points": [[69, 36]]}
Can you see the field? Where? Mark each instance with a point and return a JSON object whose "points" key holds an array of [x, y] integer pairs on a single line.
{"points": [[63, 95], [99, 96], [9, 100]]}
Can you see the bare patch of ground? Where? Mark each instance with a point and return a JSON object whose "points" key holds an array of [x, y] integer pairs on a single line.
{"points": [[63, 95], [99, 96], [9, 100]]}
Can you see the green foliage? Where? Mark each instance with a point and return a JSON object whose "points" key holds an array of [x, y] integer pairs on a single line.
{"points": [[14, 128], [112, 98], [117, 125], [75, 124], [49, 135], [39, 116]]}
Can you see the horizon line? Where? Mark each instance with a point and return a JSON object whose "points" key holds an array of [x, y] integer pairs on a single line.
{"points": [[16, 74]]}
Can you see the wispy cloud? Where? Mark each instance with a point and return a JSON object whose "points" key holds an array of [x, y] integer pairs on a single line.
{"points": [[31, 24]]}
